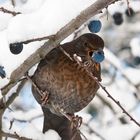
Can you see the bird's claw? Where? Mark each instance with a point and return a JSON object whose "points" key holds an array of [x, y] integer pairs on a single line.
{"points": [[76, 121]]}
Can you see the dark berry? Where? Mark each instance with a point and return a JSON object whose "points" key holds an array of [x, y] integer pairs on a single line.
{"points": [[129, 12], [118, 19], [16, 48], [98, 56], [94, 26], [123, 120], [2, 72], [137, 60], [93, 111]]}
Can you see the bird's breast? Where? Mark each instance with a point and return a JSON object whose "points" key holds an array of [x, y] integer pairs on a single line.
{"points": [[70, 87]]}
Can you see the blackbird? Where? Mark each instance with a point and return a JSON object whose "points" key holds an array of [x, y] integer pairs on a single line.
{"points": [[61, 85]]}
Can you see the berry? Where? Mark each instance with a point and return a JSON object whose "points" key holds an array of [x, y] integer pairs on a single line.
{"points": [[93, 111], [137, 60], [94, 26], [2, 72], [130, 12], [98, 56], [16, 48], [118, 19]]}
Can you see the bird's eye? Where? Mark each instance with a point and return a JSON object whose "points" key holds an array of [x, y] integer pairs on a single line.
{"points": [[90, 53]]}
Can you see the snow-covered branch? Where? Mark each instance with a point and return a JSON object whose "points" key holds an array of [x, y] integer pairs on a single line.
{"points": [[64, 32]]}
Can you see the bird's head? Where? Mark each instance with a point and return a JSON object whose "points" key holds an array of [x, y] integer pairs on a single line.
{"points": [[90, 47]]}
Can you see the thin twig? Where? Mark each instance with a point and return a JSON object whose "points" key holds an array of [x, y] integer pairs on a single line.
{"points": [[5, 105], [83, 135], [104, 89], [93, 131], [67, 54], [77, 32], [136, 134], [13, 2], [128, 7], [37, 39], [15, 94], [105, 102], [11, 124], [13, 13], [41, 93], [15, 136]]}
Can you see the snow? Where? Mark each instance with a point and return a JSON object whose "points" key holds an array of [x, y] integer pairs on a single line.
{"points": [[135, 46], [50, 17]]}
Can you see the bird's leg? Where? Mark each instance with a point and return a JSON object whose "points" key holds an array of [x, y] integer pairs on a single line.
{"points": [[76, 121]]}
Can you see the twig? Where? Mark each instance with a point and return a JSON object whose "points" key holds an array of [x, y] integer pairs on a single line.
{"points": [[15, 94], [37, 39], [83, 135], [76, 33], [104, 89], [41, 93], [13, 13], [15, 136], [106, 103], [4, 105], [51, 44], [67, 54], [136, 134], [117, 102], [11, 124], [93, 131], [29, 120], [13, 2], [128, 7]]}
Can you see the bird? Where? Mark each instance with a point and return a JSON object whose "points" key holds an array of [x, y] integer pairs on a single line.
{"points": [[60, 84]]}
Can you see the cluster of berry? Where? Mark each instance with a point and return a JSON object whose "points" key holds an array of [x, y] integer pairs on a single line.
{"points": [[118, 17]]}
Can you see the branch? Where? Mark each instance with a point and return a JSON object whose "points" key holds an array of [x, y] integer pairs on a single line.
{"points": [[15, 94], [93, 131], [105, 102], [13, 13], [118, 103], [15, 136], [4, 106], [136, 134], [13, 2], [52, 43], [37, 39]]}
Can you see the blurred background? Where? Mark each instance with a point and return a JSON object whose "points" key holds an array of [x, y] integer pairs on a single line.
{"points": [[118, 25]]}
